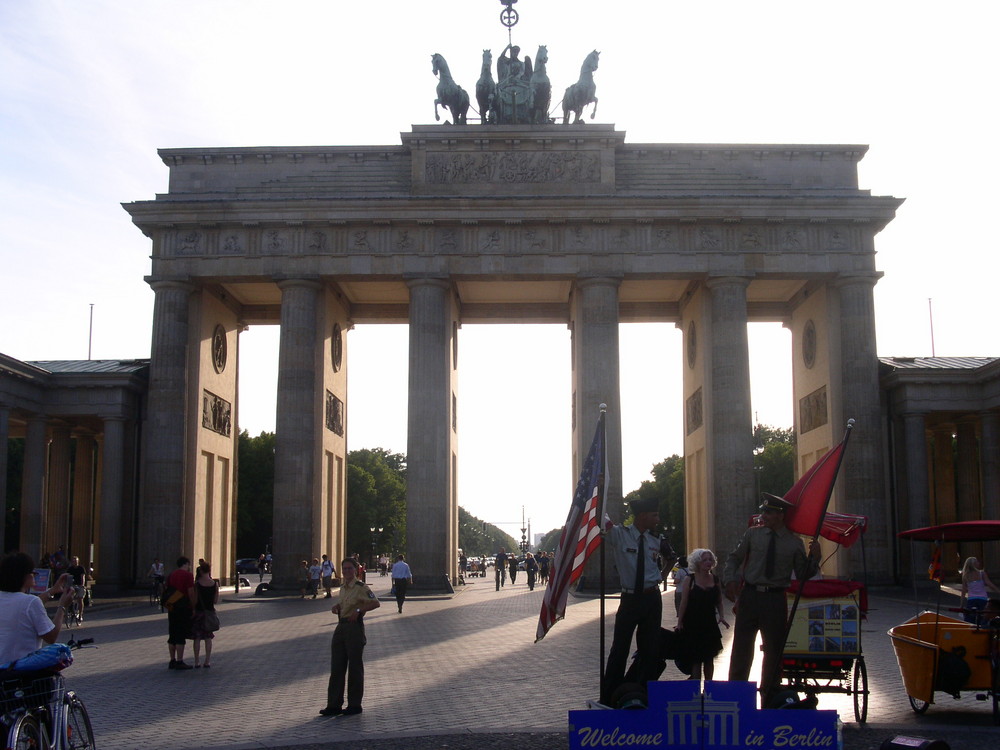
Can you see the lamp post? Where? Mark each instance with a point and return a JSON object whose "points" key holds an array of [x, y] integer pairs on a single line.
{"points": [[373, 530]]}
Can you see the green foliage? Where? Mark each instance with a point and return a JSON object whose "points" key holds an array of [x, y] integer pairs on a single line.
{"points": [[255, 493], [667, 487], [376, 498], [480, 539]]}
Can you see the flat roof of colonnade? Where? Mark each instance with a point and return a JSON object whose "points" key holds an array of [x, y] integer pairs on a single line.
{"points": [[513, 215]]}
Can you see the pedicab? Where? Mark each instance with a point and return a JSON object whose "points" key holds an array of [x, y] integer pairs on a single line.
{"points": [[822, 652], [940, 653]]}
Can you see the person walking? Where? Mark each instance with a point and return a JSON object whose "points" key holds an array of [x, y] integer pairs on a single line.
{"points": [[701, 614], [205, 621], [315, 573], [531, 568], [500, 564], [261, 567], [303, 579], [543, 568], [402, 577], [512, 566], [640, 610], [328, 572], [348, 644], [763, 563]]}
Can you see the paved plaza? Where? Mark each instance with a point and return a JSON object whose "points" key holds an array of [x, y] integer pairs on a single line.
{"points": [[460, 672]]}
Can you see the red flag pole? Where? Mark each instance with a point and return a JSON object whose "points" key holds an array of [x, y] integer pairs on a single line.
{"points": [[775, 678]]}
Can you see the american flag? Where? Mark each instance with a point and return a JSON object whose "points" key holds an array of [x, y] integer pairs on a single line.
{"points": [[580, 536]]}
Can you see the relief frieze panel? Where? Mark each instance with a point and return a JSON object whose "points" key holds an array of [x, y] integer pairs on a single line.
{"points": [[513, 167], [216, 414]]}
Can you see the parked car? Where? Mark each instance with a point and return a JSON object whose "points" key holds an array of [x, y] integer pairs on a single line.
{"points": [[246, 565]]}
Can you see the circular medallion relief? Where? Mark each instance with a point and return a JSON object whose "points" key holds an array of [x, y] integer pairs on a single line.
{"points": [[337, 348], [809, 344], [219, 348], [692, 344]]}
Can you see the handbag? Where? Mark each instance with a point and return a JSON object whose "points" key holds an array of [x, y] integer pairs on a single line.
{"points": [[210, 620], [170, 597]]}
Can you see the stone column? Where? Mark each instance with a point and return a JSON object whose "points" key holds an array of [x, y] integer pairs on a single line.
{"points": [[111, 565], [597, 375], [4, 436], [82, 522], [430, 434], [57, 501], [861, 481], [944, 508], [967, 484], [161, 514], [989, 457], [295, 435], [730, 437], [33, 487], [914, 511]]}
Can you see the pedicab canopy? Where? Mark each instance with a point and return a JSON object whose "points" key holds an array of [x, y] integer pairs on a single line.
{"points": [[959, 531]]}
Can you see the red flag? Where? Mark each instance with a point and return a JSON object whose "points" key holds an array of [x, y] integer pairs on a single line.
{"points": [[580, 536], [811, 493]]}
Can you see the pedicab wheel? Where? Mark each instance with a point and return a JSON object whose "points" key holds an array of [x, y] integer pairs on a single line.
{"points": [[859, 683], [919, 707], [996, 696]]}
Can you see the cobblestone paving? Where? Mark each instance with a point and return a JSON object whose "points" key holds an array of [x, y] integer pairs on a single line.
{"points": [[446, 673]]}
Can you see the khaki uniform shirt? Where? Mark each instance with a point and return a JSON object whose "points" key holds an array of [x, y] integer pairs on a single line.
{"points": [[351, 597], [789, 551]]}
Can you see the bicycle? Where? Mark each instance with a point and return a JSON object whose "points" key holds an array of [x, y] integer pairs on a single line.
{"points": [[156, 593], [40, 714], [74, 614]]}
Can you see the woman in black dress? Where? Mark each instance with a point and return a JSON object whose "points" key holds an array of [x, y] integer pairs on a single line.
{"points": [[205, 619], [701, 613]]}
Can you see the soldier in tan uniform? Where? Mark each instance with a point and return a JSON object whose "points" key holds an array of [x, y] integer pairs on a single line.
{"points": [[348, 645]]}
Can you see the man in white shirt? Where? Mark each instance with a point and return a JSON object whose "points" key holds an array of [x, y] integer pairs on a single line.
{"points": [[401, 579]]}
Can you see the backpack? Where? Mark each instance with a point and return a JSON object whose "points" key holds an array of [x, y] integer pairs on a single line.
{"points": [[170, 597]]}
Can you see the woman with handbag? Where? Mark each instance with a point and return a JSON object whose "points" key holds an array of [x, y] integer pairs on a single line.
{"points": [[206, 621]]}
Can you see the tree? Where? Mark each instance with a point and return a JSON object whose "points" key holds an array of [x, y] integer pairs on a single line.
{"points": [[255, 494], [477, 538], [774, 459], [667, 487], [376, 498]]}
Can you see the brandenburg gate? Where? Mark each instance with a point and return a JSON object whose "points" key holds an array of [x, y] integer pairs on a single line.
{"points": [[501, 223]]}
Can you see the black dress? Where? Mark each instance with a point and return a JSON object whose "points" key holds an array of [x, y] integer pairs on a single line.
{"points": [[702, 637]]}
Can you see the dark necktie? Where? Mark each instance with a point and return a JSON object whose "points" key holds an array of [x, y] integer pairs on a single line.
{"points": [[640, 567], [769, 560]]}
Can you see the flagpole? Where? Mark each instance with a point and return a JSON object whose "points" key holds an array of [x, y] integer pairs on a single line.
{"points": [[601, 559], [773, 679]]}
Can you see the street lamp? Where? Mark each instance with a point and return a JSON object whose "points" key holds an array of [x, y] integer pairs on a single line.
{"points": [[373, 530]]}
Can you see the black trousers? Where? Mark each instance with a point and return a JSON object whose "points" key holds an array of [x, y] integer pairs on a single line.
{"points": [[400, 584], [766, 613], [640, 614], [346, 665]]}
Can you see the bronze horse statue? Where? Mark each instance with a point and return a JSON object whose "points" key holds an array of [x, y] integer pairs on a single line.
{"points": [[486, 89], [582, 93], [541, 89], [449, 94]]}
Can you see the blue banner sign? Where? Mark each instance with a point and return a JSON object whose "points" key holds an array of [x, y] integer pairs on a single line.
{"points": [[682, 714]]}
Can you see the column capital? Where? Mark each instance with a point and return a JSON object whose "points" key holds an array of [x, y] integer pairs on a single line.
{"points": [[158, 285], [713, 282], [586, 281], [442, 282], [308, 282], [869, 279]]}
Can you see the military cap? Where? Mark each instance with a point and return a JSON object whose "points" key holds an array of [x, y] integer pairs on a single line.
{"points": [[773, 502]]}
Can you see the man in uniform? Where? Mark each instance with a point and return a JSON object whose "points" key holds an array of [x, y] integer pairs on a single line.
{"points": [[348, 644], [764, 558], [636, 553]]}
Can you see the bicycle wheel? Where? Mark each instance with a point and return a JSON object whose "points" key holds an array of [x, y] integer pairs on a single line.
{"points": [[153, 599], [859, 683], [27, 734], [79, 732]]}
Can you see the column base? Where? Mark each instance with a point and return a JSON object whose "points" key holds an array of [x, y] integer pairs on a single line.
{"points": [[430, 585]]}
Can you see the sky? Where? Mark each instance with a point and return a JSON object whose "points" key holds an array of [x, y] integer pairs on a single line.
{"points": [[89, 91]]}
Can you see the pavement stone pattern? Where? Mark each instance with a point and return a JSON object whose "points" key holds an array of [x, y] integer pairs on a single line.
{"points": [[460, 672]]}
